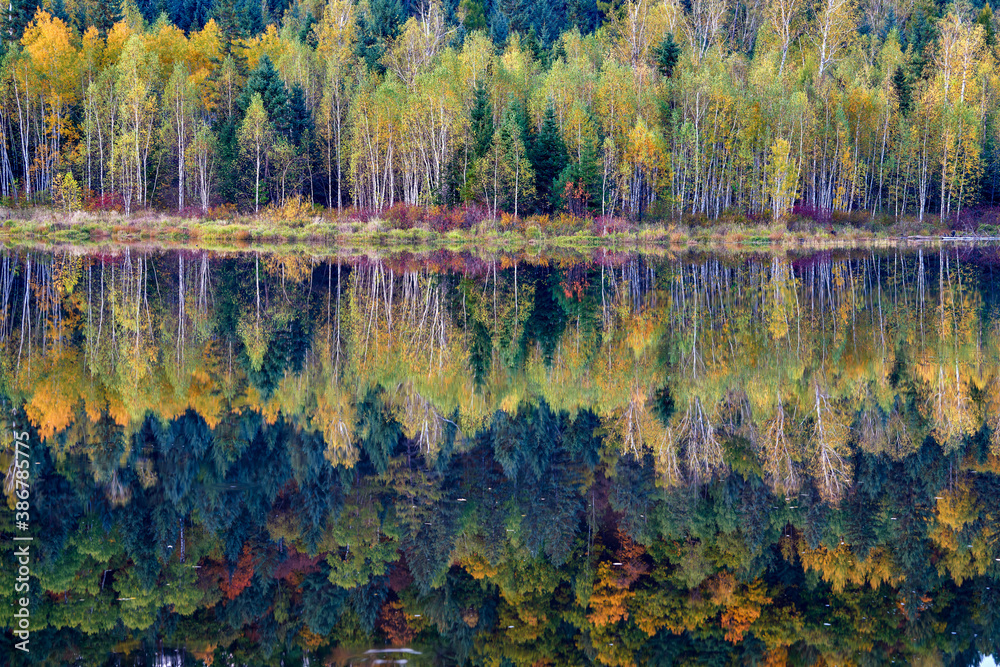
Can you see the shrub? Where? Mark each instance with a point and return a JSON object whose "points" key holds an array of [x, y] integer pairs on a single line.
{"points": [[400, 216], [539, 222], [222, 212], [567, 223], [474, 214], [812, 213], [109, 201], [853, 219], [363, 215], [605, 225], [981, 220], [443, 219], [295, 212], [66, 192], [190, 212]]}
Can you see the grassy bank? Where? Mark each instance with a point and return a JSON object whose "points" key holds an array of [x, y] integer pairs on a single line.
{"points": [[401, 230]]}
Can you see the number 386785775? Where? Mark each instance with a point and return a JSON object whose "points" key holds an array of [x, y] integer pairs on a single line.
{"points": [[22, 461]]}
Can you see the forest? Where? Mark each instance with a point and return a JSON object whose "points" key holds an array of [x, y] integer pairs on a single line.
{"points": [[689, 460], [635, 109]]}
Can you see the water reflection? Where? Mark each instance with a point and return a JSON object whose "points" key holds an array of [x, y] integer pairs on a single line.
{"points": [[261, 459]]}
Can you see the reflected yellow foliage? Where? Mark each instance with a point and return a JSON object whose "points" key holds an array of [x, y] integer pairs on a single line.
{"points": [[839, 566]]}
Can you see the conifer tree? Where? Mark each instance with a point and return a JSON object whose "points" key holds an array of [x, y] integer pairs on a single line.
{"points": [[376, 28], [13, 20], [252, 18], [578, 187], [901, 84], [667, 52], [266, 82], [226, 15], [985, 19], [548, 158], [481, 122]]}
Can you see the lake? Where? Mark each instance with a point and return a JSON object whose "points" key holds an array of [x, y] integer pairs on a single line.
{"points": [[266, 458]]}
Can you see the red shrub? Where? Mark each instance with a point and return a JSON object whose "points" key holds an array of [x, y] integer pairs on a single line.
{"points": [[475, 214], [811, 212], [443, 219], [362, 215], [401, 216], [109, 201]]}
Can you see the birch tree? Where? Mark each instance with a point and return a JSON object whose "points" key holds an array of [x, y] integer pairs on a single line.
{"points": [[136, 116], [201, 163], [783, 18], [336, 38], [178, 126], [255, 138], [836, 24]]}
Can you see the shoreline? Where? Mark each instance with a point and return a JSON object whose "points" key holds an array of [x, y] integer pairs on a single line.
{"points": [[82, 228]]}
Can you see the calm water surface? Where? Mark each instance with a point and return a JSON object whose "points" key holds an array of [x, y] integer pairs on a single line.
{"points": [[279, 459]]}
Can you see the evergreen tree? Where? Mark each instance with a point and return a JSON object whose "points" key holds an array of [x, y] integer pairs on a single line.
{"points": [[252, 18], [985, 19], [578, 187], [380, 432], [307, 32], [322, 602], [105, 15], [550, 20], [190, 15], [583, 14], [542, 22], [667, 52], [59, 10], [300, 120], [150, 9], [376, 28], [481, 122], [920, 35], [474, 16], [266, 82], [367, 600], [547, 321], [227, 16], [228, 156], [276, 10], [499, 29], [534, 45], [13, 19], [901, 84], [548, 158], [990, 180]]}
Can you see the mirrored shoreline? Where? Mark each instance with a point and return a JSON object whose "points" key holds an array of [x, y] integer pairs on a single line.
{"points": [[262, 458]]}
